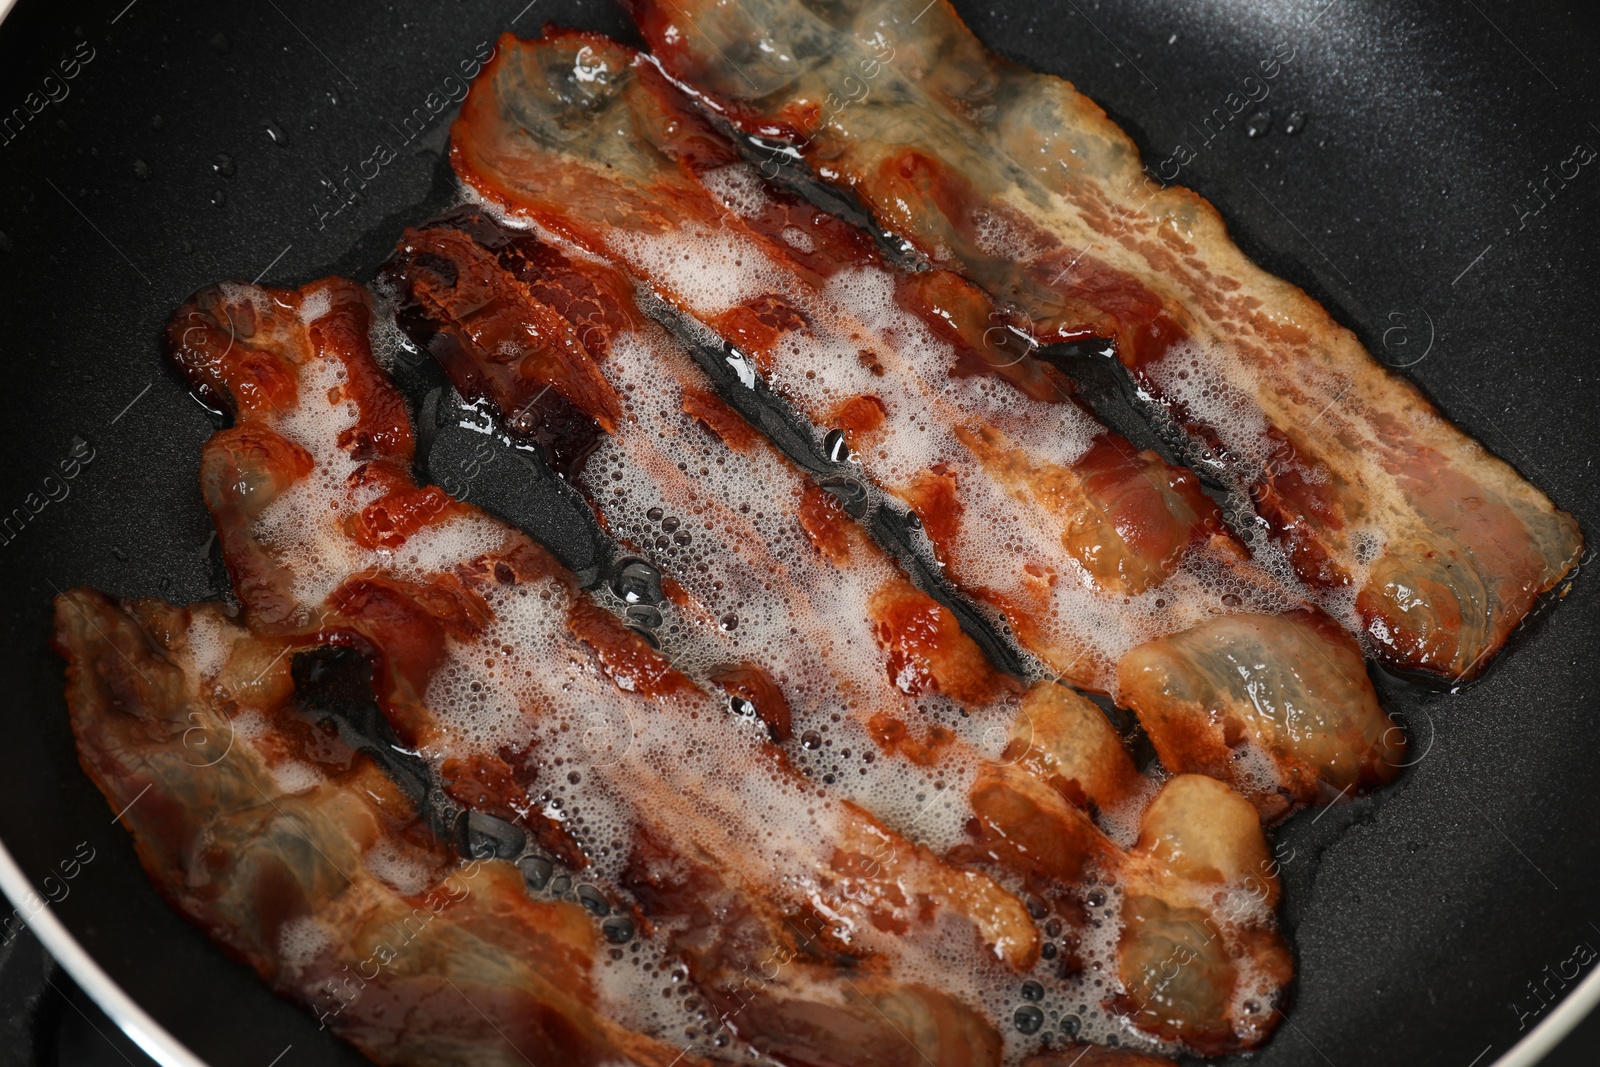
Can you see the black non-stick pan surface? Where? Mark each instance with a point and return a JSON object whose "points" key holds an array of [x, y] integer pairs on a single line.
{"points": [[1428, 198]]}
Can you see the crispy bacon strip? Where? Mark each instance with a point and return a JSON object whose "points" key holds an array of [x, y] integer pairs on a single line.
{"points": [[1085, 546], [304, 860], [1022, 184], [778, 573], [488, 653]]}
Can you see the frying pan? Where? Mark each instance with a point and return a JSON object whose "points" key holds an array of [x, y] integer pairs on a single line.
{"points": [[156, 146]]}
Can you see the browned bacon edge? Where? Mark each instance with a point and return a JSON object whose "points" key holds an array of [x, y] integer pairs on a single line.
{"points": [[943, 141]]}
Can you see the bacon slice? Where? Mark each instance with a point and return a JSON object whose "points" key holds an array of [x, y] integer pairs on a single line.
{"points": [[488, 653], [1184, 977], [772, 575], [775, 582], [772, 571], [1086, 547], [1022, 184], [305, 861]]}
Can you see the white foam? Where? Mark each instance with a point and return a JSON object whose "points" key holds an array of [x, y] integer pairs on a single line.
{"points": [[302, 940], [292, 776], [696, 262], [727, 530], [211, 639], [400, 870], [703, 781], [316, 304], [611, 763], [798, 239], [1009, 545], [739, 187], [250, 725]]}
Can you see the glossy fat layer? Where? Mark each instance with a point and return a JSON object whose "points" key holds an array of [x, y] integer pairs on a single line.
{"points": [[500, 670], [778, 597], [302, 859], [880, 694], [1427, 545], [503, 673], [1087, 549]]}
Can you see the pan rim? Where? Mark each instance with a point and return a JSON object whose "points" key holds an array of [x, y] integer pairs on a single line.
{"points": [[153, 1038], [160, 1045], [1554, 1027]]}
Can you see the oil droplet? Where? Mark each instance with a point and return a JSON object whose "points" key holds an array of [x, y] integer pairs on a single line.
{"points": [[591, 898], [1258, 124], [223, 164], [1028, 1019], [1231, 600], [275, 133], [141, 170], [728, 622], [851, 493], [644, 615], [836, 447], [1295, 122], [811, 740], [1032, 991], [535, 871], [637, 582], [219, 198]]}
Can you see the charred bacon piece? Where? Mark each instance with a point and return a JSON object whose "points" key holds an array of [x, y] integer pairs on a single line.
{"points": [[302, 859], [1023, 185], [770, 568], [1087, 548], [500, 671]]}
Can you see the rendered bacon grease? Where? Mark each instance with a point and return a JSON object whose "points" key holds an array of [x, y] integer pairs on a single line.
{"points": [[785, 602], [1429, 547], [303, 859], [532, 704], [1106, 563], [816, 826]]}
